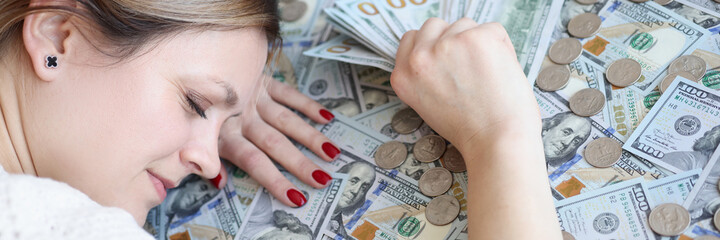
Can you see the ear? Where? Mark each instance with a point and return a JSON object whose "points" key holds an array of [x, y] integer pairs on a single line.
{"points": [[46, 34]]}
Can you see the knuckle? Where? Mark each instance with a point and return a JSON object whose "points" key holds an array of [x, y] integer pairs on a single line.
{"points": [[408, 35], [272, 140], [284, 119], [252, 161], [419, 60]]}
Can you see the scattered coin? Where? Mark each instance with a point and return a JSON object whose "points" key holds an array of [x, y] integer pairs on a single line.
{"points": [[603, 152], [452, 160], [442, 210], [406, 121], [584, 25], [587, 102], [624, 72], [391, 154], [671, 77], [435, 181], [586, 2], [553, 78], [663, 2], [689, 63], [669, 219], [565, 51], [429, 148], [707, 237], [567, 236], [293, 11]]}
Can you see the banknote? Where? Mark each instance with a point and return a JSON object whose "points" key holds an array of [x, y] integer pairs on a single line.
{"points": [[379, 119], [198, 210], [405, 15], [380, 202], [268, 218], [481, 10], [671, 189], [372, 76], [704, 200], [646, 32], [344, 24], [596, 215], [625, 108], [682, 130], [570, 9], [708, 6], [331, 84], [371, 23], [565, 136], [375, 96], [346, 49], [458, 10], [529, 25], [704, 17], [710, 53], [298, 17]]}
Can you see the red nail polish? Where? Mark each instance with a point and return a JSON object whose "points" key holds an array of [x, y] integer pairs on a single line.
{"points": [[296, 197], [216, 181], [330, 150], [321, 176], [326, 114]]}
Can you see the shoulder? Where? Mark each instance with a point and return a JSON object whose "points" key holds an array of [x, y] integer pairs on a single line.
{"points": [[40, 208]]}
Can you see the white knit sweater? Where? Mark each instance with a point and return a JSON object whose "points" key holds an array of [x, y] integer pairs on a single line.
{"points": [[41, 208]]}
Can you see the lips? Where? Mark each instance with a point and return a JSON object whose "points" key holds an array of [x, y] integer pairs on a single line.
{"points": [[161, 185]]}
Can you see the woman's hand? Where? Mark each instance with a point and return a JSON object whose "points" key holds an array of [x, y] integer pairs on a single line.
{"points": [[250, 141], [464, 80]]}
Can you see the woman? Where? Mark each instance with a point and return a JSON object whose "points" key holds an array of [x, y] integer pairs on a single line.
{"points": [[120, 100]]}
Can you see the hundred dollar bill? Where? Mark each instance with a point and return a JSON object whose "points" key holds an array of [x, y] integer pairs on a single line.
{"points": [[682, 130], [268, 218], [596, 215], [372, 76], [570, 9], [346, 49], [198, 210], [381, 202], [331, 84], [297, 18], [377, 96], [704, 200], [708, 6], [672, 189], [344, 24], [625, 108], [379, 119], [645, 32], [529, 25], [480, 10], [458, 9], [371, 23], [700, 16], [405, 15], [565, 136]]}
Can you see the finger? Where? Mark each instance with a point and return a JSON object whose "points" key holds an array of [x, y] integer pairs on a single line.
{"points": [[459, 26], [293, 126], [407, 43], [430, 32], [250, 159], [280, 149], [290, 97], [497, 32]]}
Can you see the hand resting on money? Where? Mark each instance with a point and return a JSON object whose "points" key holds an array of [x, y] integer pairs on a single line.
{"points": [[464, 80]]}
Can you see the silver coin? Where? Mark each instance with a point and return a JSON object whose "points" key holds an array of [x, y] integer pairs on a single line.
{"points": [[587, 102], [452, 160], [671, 77], [429, 148], [553, 78], [586, 2], [435, 181], [707, 237], [663, 2], [442, 210], [567, 236], [689, 63], [669, 219], [565, 51], [391, 154], [603, 152], [624, 72], [406, 121], [293, 11], [584, 25]]}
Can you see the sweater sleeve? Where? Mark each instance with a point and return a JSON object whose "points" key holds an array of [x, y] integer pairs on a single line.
{"points": [[41, 208]]}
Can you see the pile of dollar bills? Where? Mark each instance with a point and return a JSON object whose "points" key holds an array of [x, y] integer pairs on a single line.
{"points": [[626, 89]]}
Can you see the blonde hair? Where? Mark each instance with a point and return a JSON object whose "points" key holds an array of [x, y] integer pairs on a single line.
{"points": [[130, 25]]}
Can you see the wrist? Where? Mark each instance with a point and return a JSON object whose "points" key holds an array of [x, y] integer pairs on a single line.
{"points": [[501, 140]]}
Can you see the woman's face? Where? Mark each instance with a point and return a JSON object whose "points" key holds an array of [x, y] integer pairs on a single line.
{"points": [[122, 133]]}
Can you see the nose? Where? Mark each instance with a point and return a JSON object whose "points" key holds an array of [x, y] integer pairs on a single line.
{"points": [[354, 189], [200, 154]]}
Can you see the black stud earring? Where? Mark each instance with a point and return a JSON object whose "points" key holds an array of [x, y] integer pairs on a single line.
{"points": [[51, 61]]}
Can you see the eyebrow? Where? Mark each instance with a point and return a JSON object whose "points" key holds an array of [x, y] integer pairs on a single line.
{"points": [[231, 96]]}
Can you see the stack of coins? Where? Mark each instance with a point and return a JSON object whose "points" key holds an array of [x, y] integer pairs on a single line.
{"points": [[435, 182], [586, 102]]}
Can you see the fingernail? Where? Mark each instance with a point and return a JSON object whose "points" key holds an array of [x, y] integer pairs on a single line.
{"points": [[216, 181], [326, 114], [296, 197], [330, 150], [321, 176]]}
